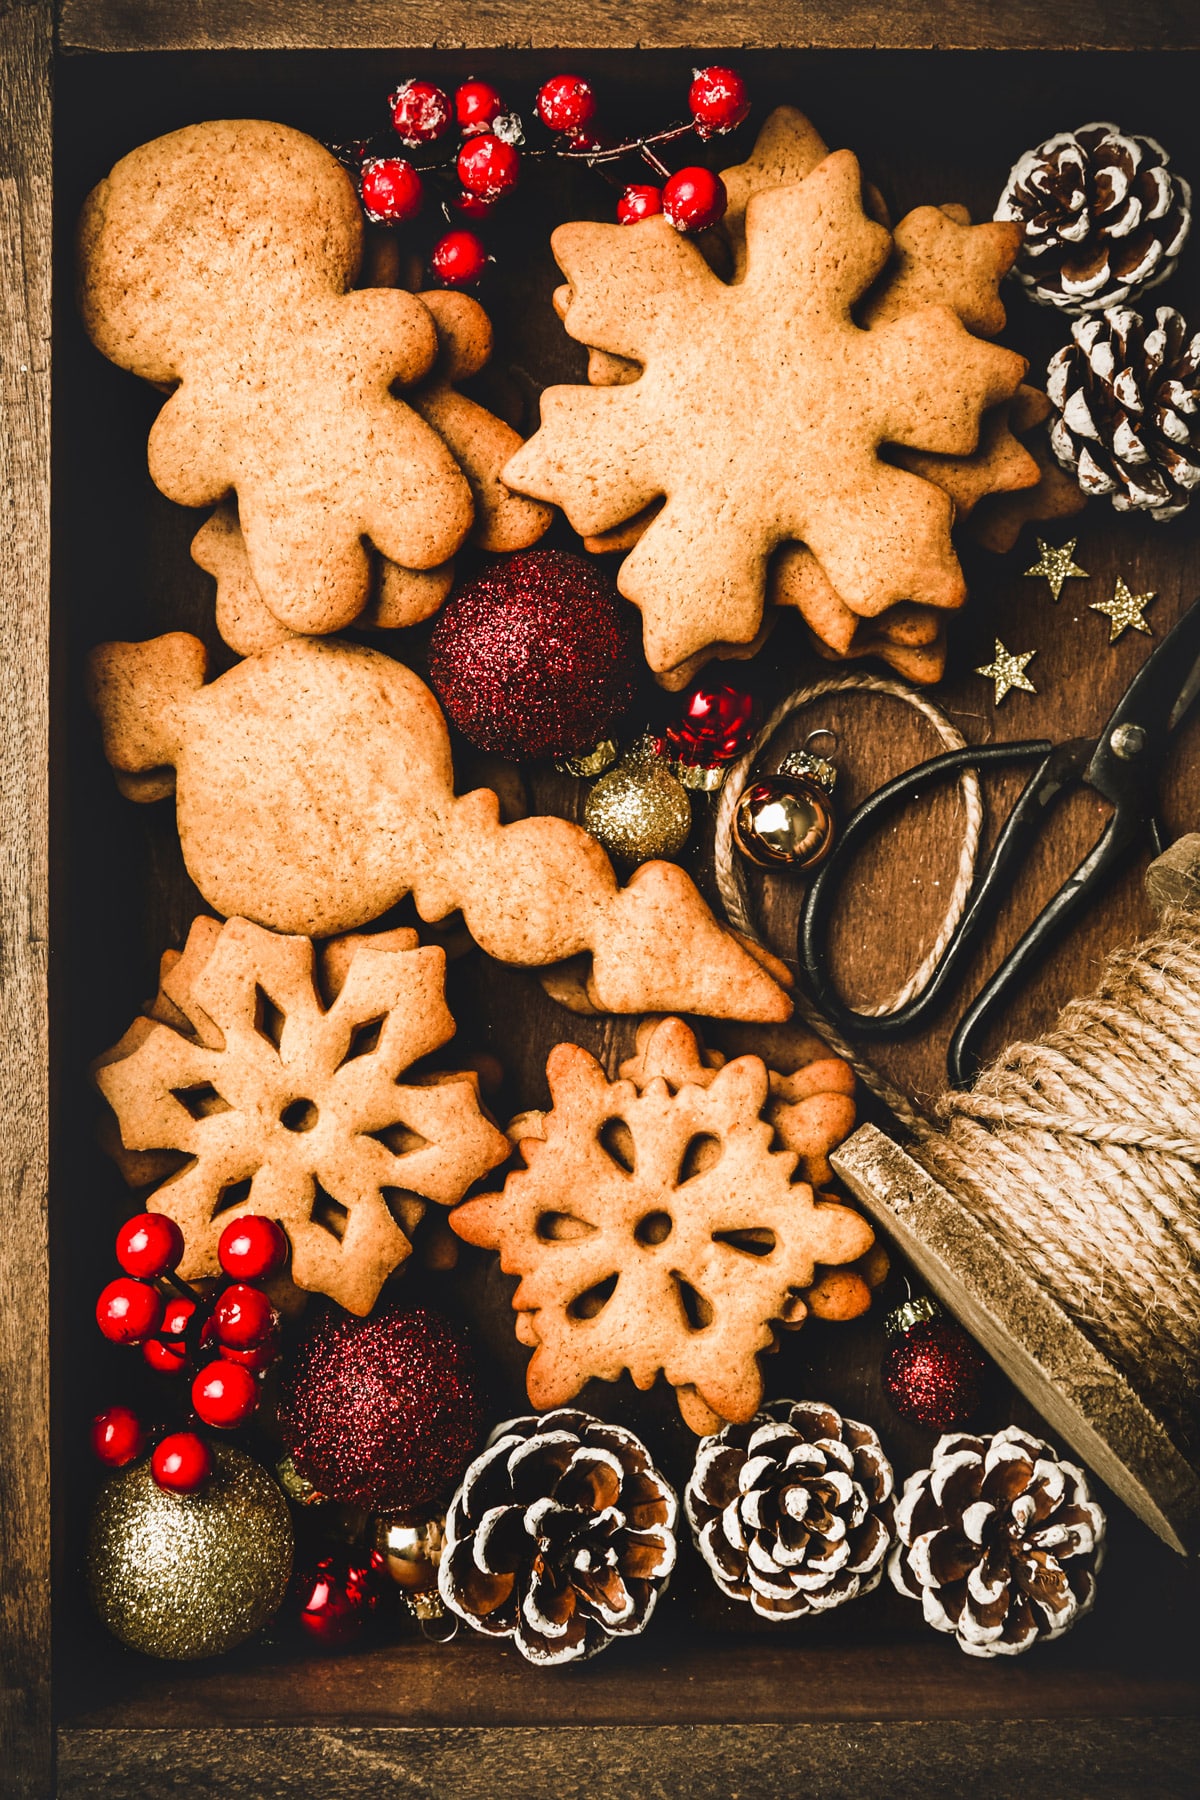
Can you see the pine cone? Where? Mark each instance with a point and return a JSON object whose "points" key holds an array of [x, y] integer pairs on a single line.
{"points": [[999, 1540], [1104, 217], [562, 1537], [1128, 404], [792, 1511]]}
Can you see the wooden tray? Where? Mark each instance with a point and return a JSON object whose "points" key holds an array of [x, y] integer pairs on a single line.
{"points": [[865, 1702]]}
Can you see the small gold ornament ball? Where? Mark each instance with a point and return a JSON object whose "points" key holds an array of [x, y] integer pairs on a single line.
{"points": [[412, 1549], [639, 811], [187, 1575], [784, 821]]}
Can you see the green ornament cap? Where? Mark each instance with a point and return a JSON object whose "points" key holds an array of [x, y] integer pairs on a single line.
{"points": [[912, 1312]]}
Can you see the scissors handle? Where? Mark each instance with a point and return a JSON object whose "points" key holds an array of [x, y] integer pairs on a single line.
{"points": [[1055, 767]]}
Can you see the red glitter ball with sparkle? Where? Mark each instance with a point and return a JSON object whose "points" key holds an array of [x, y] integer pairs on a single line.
{"points": [[538, 657], [934, 1372], [381, 1413], [717, 725]]}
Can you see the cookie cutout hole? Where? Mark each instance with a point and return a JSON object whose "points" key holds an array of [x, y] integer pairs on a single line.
{"points": [[236, 1194], [654, 1228], [400, 1139], [757, 1240], [364, 1039], [268, 1020], [301, 1115], [202, 1101], [562, 1228], [329, 1213], [591, 1303], [696, 1309], [406, 1208], [702, 1153], [616, 1140]]}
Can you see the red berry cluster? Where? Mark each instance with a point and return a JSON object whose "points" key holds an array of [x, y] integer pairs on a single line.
{"points": [[486, 165], [176, 1328]]}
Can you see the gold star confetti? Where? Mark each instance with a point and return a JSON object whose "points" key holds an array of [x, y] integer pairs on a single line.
{"points": [[1056, 564], [1124, 610], [1008, 671]]}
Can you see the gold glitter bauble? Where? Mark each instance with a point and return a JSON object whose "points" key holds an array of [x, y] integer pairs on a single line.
{"points": [[639, 811], [186, 1575], [411, 1549]]}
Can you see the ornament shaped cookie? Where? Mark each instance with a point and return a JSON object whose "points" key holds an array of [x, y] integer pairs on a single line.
{"points": [[831, 392], [480, 443], [657, 1231], [284, 1077], [218, 261], [314, 788]]}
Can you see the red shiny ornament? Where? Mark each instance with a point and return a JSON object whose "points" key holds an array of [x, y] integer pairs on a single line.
{"points": [[167, 1353], [128, 1311], [487, 166], [149, 1244], [717, 100], [335, 1598], [224, 1395], [391, 190], [536, 657], [242, 1317], [458, 259], [420, 112], [117, 1436], [717, 725], [641, 201], [181, 1463], [565, 102], [477, 106], [382, 1412], [251, 1248], [932, 1371], [694, 199]]}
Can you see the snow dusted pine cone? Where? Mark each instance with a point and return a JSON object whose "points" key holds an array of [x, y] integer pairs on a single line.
{"points": [[999, 1541], [561, 1537], [1104, 217], [793, 1511], [1127, 400]]}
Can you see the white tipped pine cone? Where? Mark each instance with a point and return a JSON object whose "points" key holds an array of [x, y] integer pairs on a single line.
{"points": [[1105, 217], [999, 1540], [792, 1511], [561, 1537], [1127, 400]]}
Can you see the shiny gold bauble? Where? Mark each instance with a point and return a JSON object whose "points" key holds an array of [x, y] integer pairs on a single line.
{"points": [[784, 821], [412, 1550], [639, 811], [187, 1575]]}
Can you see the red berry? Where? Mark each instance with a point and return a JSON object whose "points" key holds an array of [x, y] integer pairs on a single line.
{"points": [[477, 106], [639, 202], [128, 1311], [565, 102], [488, 166], [224, 1395], [242, 1317], [693, 199], [149, 1244], [473, 206], [256, 1360], [391, 190], [420, 112], [718, 100], [181, 1463], [458, 259], [117, 1436], [168, 1357], [252, 1248]]}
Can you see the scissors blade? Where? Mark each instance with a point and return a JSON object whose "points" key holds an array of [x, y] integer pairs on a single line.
{"points": [[1135, 740]]}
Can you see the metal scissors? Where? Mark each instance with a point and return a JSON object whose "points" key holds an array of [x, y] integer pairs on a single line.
{"points": [[1122, 764]]}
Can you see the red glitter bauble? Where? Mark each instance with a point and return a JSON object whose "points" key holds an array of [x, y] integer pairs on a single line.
{"points": [[381, 1413], [537, 657], [932, 1371], [717, 725]]}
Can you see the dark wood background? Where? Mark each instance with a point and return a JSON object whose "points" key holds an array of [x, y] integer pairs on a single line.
{"points": [[928, 128]]}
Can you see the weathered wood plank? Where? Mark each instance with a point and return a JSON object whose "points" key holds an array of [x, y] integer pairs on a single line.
{"points": [[25, 1733], [611, 24]]}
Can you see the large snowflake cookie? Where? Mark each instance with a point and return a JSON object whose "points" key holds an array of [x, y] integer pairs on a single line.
{"points": [[656, 1229], [278, 1076]]}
